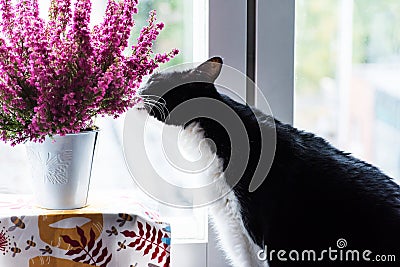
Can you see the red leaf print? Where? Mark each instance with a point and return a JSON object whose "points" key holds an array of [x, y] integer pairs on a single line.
{"points": [[166, 264], [86, 257], [104, 253], [3, 241], [91, 240], [141, 245], [134, 244], [149, 238], [107, 261], [153, 235], [98, 247], [162, 255], [140, 226], [82, 236], [147, 250], [87, 261], [148, 230], [80, 258], [159, 237], [74, 251], [70, 241], [129, 233], [154, 255]]}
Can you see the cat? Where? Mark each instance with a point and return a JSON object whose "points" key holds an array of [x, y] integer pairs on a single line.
{"points": [[314, 197]]}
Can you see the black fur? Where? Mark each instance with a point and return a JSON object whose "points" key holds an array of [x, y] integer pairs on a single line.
{"points": [[313, 195]]}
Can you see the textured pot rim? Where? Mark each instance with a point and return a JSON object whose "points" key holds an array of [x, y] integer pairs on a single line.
{"points": [[80, 133], [28, 143]]}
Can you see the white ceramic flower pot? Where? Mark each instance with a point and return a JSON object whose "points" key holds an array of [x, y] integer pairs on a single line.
{"points": [[61, 169]]}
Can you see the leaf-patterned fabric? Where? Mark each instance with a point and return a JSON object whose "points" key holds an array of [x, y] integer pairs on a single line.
{"points": [[133, 235]]}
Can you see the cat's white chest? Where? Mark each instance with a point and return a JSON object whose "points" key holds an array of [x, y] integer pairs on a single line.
{"points": [[225, 212], [185, 159]]}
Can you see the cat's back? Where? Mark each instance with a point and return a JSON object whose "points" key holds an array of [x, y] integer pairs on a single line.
{"points": [[317, 194]]}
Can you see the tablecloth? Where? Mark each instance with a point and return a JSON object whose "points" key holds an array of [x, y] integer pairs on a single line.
{"points": [[112, 231]]}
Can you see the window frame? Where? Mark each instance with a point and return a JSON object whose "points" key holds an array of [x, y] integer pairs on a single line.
{"points": [[259, 42], [273, 47]]}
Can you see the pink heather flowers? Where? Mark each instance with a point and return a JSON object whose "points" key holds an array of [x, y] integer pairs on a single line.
{"points": [[56, 76]]}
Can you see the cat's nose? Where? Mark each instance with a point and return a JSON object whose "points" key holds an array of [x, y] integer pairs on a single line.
{"points": [[141, 90], [140, 105]]}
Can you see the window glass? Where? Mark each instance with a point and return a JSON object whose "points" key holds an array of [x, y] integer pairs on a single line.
{"points": [[347, 86]]}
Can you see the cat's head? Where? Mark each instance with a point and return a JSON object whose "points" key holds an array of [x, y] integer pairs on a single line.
{"points": [[165, 91]]}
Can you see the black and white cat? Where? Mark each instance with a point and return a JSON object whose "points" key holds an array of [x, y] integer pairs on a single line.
{"points": [[313, 195]]}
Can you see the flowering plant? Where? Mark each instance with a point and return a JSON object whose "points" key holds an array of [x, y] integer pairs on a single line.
{"points": [[56, 76]]}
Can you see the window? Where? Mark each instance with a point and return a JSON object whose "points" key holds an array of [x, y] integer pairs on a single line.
{"points": [[348, 76], [186, 29]]}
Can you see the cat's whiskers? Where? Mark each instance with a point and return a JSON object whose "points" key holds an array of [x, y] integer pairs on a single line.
{"points": [[152, 101], [158, 108], [155, 104]]}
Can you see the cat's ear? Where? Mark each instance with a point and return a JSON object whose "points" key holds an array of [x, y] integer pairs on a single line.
{"points": [[211, 68]]}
